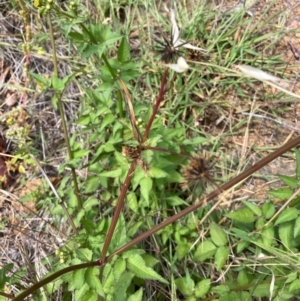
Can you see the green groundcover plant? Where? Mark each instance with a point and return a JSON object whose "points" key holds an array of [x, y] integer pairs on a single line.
{"points": [[146, 223]]}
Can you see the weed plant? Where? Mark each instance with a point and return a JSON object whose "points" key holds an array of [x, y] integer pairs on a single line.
{"points": [[151, 219]]}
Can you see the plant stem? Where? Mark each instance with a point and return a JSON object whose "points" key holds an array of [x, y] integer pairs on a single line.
{"points": [[63, 119], [52, 277], [117, 210], [156, 105]]}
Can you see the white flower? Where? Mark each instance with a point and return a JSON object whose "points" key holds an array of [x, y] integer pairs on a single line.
{"points": [[176, 41], [180, 66]]}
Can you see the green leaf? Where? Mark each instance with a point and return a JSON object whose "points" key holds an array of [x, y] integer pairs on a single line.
{"points": [[156, 172], [78, 278], [286, 215], [288, 180], [221, 257], [295, 286], [92, 279], [297, 227], [263, 290], [111, 173], [80, 153], [92, 184], [282, 193], [218, 236], [119, 267], [243, 215], [297, 153], [79, 293], [146, 186], [40, 79], [84, 254], [137, 266], [268, 235], [122, 286], [124, 51], [198, 140], [206, 249], [286, 234], [202, 288], [242, 278], [137, 296], [182, 249], [90, 295], [256, 210], [268, 210], [186, 286], [76, 36], [132, 201]]}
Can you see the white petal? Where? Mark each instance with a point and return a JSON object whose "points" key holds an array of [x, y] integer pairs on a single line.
{"points": [[175, 30], [190, 46], [257, 73], [180, 67]]}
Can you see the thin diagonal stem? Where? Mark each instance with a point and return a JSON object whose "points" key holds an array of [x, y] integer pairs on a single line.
{"points": [[160, 97], [117, 210]]}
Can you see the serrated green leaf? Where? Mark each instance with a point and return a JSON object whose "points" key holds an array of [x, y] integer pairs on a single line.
{"points": [[185, 286], [150, 261], [285, 232], [156, 172], [84, 254], [137, 296], [206, 249], [79, 293], [124, 51], [80, 153], [282, 193], [92, 184], [286, 215], [137, 266], [121, 286], [221, 289], [221, 257], [146, 186], [288, 180], [111, 173], [92, 279], [119, 267], [252, 206], [90, 295], [243, 215], [78, 278], [297, 227], [202, 288], [268, 210], [218, 236]]}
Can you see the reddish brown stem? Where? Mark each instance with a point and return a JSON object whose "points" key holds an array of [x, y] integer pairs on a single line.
{"points": [[159, 98], [210, 196], [117, 211]]}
